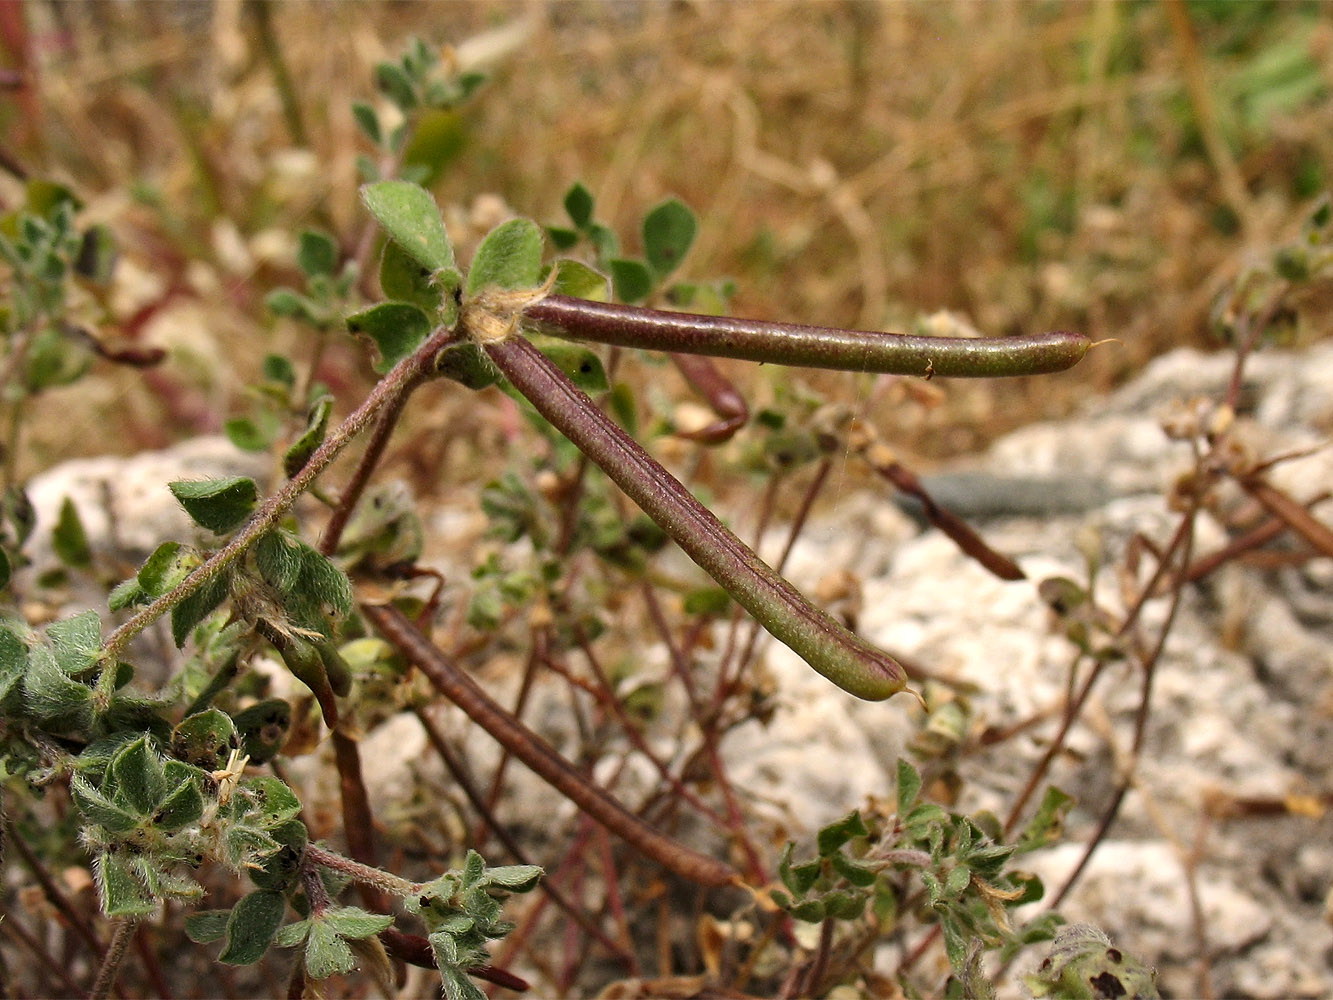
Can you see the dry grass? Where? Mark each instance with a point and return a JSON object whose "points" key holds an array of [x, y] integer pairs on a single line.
{"points": [[1025, 165]]}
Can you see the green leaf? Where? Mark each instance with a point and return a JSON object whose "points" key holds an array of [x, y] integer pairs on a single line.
{"points": [[220, 505], [137, 777], [96, 259], [277, 368], [668, 232], [13, 662], [510, 256], [354, 922], [514, 878], [6, 569], [98, 809], [76, 641], [51, 696], [246, 434], [474, 866], [1047, 823], [184, 805], [273, 803], [317, 425], [857, 873], [798, 878], [833, 836], [206, 926], [577, 279], [321, 592], [280, 870], [438, 137], [367, 121], [631, 279], [957, 881], [326, 954], [69, 540], [198, 606], [125, 594], [278, 559], [466, 364], [254, 921], [263, 729], [579, 205], [843, 905], [707, 601], [578, 361], [205, 739], [457, 986], [394, 83], [397, 329], [409, 215], [561, 237], [290, 935], [812, 911], [956, 940], [292, 304], [123, 893], [317, 254], [169, 565], [909, 786], [405, 280]]}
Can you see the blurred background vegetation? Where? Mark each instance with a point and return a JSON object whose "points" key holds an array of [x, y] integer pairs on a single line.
{"points": [[1102, 167]]}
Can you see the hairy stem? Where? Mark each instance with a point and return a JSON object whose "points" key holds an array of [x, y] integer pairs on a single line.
{"points": [[121, 937], [397, 383]]}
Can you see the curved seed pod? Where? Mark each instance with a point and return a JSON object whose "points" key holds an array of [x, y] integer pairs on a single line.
{"points": [[805, 346], [847, 660]]}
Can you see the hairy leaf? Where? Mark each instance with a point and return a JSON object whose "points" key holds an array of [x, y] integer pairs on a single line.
{"points": [[326, 953], [510, 256], [397, 329], [409, 215], [250, 929], [220, 505]]}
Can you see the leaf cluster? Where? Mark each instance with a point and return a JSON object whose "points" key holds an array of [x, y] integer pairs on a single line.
{"points": [[960, 871], [462, 911]]}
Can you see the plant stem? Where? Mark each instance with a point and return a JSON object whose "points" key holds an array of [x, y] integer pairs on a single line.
{"points": [[804, 346], [849, 661], [121, 937], [538, 755], [363, 874], [396, 384], [351, 493]]}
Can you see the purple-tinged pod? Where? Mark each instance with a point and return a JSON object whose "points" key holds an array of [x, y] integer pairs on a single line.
{"points": [[848, 661], [805, 346]]}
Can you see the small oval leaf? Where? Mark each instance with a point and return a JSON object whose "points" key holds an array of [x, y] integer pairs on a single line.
{"points": [[220, 505], [509, 257], [410, 216], [397, 328], [254, 921]]}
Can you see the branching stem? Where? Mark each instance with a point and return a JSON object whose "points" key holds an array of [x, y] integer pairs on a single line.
{"points": [[393, 386]]}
